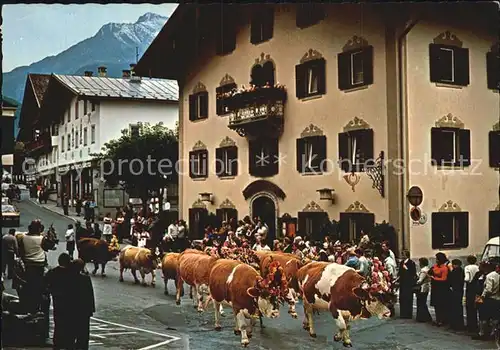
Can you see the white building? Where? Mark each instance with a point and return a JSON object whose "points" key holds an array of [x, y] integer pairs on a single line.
{"points": [[77, 115]]}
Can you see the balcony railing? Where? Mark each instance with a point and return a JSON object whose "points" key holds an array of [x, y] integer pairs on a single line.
{"points": [[256, 108], [43, 142]]}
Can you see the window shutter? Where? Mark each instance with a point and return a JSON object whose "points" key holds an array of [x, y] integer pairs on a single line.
{"points": [[232, 214], [319, 152], [219, 213], [343, 151], [438, 228], [219, 168], [462, 69], [367, 65], [252, 158], [436, 146], [435, 62], [493, 70], [268, 73], [268, 23], [193, 230], [301, 16], [344, 227], [219, 103], [204, 104], [256, 75], [344, 70], [204, 163], [494, 224], [494, 138], [302, 223], [321, 63], [365, 140], [463, 222], [319, 220], [192, 108], [464, 144], [300, 80], [300, 149], [232, 154], [191, 165], [273, 167], [366, 223]]}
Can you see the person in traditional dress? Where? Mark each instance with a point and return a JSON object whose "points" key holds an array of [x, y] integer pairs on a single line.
{"points": [[107, 229]]}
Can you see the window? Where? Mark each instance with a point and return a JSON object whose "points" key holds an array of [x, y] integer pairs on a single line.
{"points": [[69, 142], [450, 147], [264, 157], [263, 74], [85, 106], [221, 106], [198, 220], [355, 150], [198, 164], [69, 114], [310, 78], [311, 224], [494, 141], [85, 136], [134, 130], [351, 225], [198, 106], [493, 70], [449, 64], [311, 154], [62, 144], [76, 109], [93, 106], [262, 24], [226, 215], [92, 134], [226, 161], [450, 230], [309, 14], [226, 35], [76, 139], [355, 68], [494, 226]]}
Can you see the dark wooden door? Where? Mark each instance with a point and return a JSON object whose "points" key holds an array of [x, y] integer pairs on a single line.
{"points": [[263, 207]]}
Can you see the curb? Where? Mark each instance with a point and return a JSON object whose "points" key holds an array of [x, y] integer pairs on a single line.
{"points": [[53, 211]]}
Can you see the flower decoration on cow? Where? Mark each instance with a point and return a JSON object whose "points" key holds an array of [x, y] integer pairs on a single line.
{"points": [[275, 283], [114, 246], [380, 280]]}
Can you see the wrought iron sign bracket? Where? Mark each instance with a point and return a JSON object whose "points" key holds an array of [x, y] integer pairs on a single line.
{"points": [[376, 174]]}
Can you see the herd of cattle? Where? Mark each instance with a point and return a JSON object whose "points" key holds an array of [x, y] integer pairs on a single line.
{"points": [[321, 285]]}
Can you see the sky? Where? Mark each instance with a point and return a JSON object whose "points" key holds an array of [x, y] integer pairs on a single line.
{"points": [[33, 32]]}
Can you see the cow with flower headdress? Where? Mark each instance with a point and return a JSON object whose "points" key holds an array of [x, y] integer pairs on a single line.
{"points": [[345, 294], [251, 296]]}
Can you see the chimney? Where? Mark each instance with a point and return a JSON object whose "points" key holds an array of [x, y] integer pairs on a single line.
{"points": [[132, 69], [126, 73], [88, 73], [102, 71]]}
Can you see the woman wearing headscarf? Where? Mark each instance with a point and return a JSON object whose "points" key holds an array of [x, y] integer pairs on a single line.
{"points": [[440, 289]]}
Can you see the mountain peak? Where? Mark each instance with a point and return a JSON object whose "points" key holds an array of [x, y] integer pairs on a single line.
{"points": [[150, 16]]}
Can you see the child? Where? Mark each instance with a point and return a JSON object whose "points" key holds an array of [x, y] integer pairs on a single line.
{"points": [[70, 240]]}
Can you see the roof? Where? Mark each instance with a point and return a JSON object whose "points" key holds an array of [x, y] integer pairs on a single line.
{"points": [[123, 88], [39, 82], [8, 102]]}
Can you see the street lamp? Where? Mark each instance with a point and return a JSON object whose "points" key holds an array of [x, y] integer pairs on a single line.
{"points": [[326, 194]]}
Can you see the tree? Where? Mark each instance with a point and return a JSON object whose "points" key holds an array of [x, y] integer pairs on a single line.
{"points": [[144, 163]]}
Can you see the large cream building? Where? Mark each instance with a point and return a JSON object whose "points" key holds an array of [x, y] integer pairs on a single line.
{"points": [[385, 88]]}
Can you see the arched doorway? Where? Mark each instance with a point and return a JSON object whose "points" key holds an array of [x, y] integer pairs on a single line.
{"points": [[264, 208]]}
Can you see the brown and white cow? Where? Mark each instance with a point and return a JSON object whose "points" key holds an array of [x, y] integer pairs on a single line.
{"points": [[142, 259], [194, 268], [291, 265], [96, 251], [342, 291], [238, 285]]}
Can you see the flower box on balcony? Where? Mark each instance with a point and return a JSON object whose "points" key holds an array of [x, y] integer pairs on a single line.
{"points": [[253, 95]]}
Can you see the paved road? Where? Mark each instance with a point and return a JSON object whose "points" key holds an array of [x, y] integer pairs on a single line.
{"points": [[134, 317]]}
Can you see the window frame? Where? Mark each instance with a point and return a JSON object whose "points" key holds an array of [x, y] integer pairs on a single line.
{"points": [[76, 109], [263, 17], [460, 225], [461, 148], [76, 139], [221, 108], [346, 68], [303, 75], [363, 137], [85, 136], [494, 223], [493, 70], [310, 224], [301, 149], [225, 43], [494, 145], [308, 15], [92, 134], [62, 143], [363, 222], [232, 162], [195, 101], [199, 154], [266, 170], [460, 65]]}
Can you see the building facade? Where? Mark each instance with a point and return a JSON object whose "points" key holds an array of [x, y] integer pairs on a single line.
{"points": [[342, 106], [79, 115]]}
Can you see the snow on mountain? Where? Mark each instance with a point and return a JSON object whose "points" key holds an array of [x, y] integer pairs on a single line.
{"points": [[113, 46]]}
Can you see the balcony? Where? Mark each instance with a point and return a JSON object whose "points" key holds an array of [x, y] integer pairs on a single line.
{"points": [[54, 141], [43, 143], [257, 111]]}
